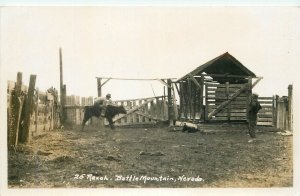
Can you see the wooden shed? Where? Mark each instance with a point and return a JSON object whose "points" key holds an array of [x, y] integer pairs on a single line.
{"points": [[218, 90]]}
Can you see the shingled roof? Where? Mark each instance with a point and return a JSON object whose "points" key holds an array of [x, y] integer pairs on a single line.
{"points": [[223, 64]]}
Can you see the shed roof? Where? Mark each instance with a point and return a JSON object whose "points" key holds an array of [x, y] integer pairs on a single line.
{"points": [[223, 64]]}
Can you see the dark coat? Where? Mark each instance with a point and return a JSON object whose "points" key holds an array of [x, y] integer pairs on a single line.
{"points": [[254, 107]]}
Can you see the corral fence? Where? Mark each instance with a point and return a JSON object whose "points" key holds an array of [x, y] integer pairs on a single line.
{"points": [[33, 112], [139, 111], [30, 111]]}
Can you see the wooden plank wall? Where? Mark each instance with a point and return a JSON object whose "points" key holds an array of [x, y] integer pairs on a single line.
{"points": [[44, 116], [218, 93]]}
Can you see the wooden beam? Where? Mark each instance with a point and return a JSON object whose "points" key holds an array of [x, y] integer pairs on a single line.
{"points": [[139, 99], [257, 81], [177, 88], [147, 115], [227, 76], [105, 81], [164, 83], [225, 103], [195, 81], [134, 109]]}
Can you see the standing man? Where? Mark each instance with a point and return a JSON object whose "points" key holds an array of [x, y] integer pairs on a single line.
{"points": [[254, 107]]}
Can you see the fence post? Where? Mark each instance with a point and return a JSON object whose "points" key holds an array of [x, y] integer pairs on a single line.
{"points": [[36, 112], [16, 107], [63, 104], [28, 110], [290, 107], [277, 111], [249, 96], [274, 110], [170, 107], [227, 97], [206, 103], [201, 97]]}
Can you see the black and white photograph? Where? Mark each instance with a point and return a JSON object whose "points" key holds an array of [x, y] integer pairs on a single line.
{"points": [[160, 97]]}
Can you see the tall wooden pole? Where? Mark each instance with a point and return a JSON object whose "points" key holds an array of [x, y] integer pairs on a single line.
{"points": [[62, 87], [99, 87], [28, 110], [61, 75], [290, 107], [277, 111]]}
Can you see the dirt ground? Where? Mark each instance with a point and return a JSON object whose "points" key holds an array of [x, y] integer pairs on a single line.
{"points": [[151, 157]]}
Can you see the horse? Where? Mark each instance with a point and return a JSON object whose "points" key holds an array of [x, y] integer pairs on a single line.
{"points": [[95, 110]]}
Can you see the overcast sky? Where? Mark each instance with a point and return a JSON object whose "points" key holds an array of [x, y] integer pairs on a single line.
{"points": [[147, 42]]}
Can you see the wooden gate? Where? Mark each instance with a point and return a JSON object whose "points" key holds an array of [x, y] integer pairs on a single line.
{"points": [[142, 111], [267, 115], [236, 110], [226, 102]]}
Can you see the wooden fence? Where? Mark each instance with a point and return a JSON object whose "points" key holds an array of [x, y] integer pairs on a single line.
{"points": [[284, 117], [276, 111], [139, 111], [142, 111], [266, 116], [29, 116]]}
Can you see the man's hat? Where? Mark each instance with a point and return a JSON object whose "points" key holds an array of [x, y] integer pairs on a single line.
{"points": [[108, 95]]}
